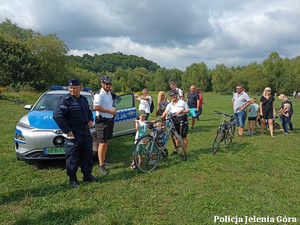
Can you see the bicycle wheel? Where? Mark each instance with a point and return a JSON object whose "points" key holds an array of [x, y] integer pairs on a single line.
{"points": [[179, 149], [146, 154], [217, 141], [276, 126]]}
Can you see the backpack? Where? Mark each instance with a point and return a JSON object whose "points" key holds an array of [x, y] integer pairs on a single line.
{"points": [[152, 105]]}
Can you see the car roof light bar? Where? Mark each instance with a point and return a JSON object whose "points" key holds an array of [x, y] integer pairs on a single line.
{"points": [[66, 88]]}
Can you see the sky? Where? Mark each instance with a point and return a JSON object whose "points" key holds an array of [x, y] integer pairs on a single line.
{"points": [[172, 33]]}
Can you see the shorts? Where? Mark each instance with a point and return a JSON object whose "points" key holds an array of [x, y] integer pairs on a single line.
{"points": [[241, 117], [104, 131], [192, 112], [252, 118], [182, 130]]}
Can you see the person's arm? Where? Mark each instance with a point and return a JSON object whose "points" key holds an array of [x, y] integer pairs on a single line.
{"points": [[59, 117], [260, 109], [144, 98], [184, 111], [157, 110], [198, 103], [274, 111], [97, 106], [245, 106], [164, 114], [105, 110], [286, 114]]}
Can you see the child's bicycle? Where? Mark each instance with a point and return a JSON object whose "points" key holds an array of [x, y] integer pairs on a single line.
{"points": [[275, 125], [150, 148], [224, 133]]}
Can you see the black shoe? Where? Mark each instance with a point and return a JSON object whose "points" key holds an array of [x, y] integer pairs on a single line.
{"points": [[90, 178], [107, 163], [174, 153], [103, 170], [74, 182]]}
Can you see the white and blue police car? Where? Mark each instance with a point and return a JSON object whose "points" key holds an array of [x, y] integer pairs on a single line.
{"points": [[37, 136]]}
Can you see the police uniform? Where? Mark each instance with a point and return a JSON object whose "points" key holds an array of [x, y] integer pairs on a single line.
{"points": [[73, 114]]}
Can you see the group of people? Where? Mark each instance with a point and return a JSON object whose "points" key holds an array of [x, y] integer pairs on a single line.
{"points": [[265, 111], [192, 107], [74, 117]]}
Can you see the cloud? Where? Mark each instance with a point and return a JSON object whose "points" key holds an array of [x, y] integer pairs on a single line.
{"points": [[174, 33]]}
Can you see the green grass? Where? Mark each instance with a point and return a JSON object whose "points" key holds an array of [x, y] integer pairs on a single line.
{"points": [[257, 176]]}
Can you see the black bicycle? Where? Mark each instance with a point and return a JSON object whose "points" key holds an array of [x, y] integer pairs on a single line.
{"points": [[224, 133], [149, 149]]}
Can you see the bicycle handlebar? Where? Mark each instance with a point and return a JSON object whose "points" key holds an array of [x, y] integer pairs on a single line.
{"points": [[225, 115]]}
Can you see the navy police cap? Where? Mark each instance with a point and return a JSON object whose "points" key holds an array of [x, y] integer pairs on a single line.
{"points": [[73, 82]]}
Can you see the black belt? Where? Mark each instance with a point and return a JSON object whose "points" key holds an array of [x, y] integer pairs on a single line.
{"points": [[79, 127], [107, 119], [101, 119]]}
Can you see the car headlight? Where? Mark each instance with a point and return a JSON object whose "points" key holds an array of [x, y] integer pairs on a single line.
{"points": [[19, 137], [25, 125]]}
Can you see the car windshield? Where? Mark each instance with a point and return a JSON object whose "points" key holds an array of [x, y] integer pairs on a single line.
{"points": [[49, 101]]}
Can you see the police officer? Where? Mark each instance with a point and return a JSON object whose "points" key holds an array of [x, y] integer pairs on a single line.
{"points": [[105, 112], [74, 117]]}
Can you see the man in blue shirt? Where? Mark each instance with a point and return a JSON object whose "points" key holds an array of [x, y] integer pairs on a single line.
{"points": [[194, 104], [74, 117]]}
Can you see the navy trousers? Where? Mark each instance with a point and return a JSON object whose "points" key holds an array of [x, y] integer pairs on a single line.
{"points": [[79, 152]]}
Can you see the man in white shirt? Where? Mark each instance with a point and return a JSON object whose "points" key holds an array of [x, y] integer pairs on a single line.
{"points": [[240, 102], [145, 101], [105, 112], [179, 91], [180, 108]]}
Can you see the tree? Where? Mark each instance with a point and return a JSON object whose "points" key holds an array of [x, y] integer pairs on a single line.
{"points": [[221, 79], [161, 80], [256, 79], [17, 65], [197, 75], [273, 69], [52, 60]]}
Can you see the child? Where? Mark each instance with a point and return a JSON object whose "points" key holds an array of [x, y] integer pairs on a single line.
{"points": [[285, 116], [141, 129], [253, 111]]}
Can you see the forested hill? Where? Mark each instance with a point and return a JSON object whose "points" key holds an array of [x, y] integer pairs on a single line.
{"points": [[111, 62]]}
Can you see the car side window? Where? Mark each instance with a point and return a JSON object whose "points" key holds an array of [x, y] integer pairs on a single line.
{"points": [[124, 101]]}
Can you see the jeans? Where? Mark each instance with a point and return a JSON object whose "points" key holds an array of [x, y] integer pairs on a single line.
{"points": [[285, 122], [241, 117]]}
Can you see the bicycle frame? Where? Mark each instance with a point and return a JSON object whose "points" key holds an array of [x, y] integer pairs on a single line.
{"points": [[225, 131]]}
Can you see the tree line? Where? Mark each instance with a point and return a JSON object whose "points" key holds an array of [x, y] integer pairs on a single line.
{"points": [[34, 61]]}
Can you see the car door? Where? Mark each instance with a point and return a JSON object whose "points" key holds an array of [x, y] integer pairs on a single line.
{"points": [[126, 112]]}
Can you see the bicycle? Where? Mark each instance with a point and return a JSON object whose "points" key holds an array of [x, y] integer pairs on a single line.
{"points": [[150, 148], [225, 132]]}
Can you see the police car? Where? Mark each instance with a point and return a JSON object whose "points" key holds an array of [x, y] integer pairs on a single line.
{"points": [[37, 136]]}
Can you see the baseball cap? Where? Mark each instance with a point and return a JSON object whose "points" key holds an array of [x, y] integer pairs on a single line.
{"points": [[142, 113]]}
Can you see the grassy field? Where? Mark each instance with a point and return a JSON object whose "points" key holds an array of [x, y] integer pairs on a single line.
{"points": [[257, 176]]}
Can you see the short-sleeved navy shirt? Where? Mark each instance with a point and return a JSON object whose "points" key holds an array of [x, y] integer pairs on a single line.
{"points": [[192, 99]]}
